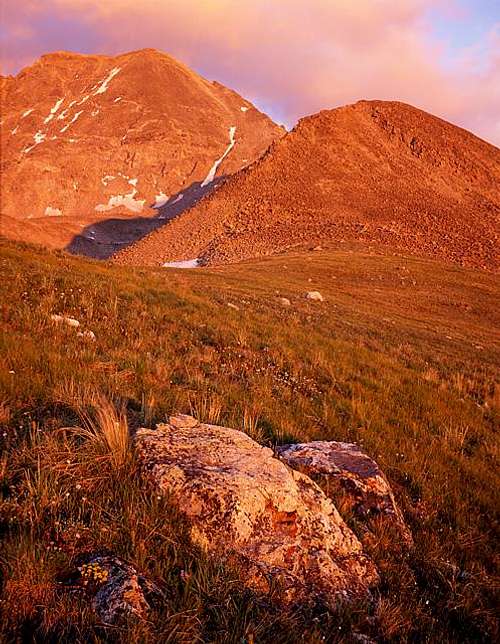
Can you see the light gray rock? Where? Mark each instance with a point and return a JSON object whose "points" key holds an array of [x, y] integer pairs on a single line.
{"points": [[63, 319], [315, 296]]}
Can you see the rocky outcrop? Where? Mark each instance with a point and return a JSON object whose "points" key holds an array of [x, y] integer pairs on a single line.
{"points": [[351, 479], [245, 504], [116, 588]]}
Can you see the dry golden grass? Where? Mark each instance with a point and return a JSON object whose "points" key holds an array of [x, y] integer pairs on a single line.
{"points": [[105, 432], [207, 408], [408, 372]]}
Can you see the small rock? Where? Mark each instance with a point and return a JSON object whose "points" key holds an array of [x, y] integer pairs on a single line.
{"points": [[88, 335], [361, 638], [315, 295], [183, 421], [351, 476], [285, 301], [123, 593], [63, 319]]}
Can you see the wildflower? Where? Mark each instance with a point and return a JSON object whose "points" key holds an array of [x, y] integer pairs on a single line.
{"points": [[185, 576], [93, 573]]}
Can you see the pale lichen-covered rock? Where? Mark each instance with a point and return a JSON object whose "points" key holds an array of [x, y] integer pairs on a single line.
{"points": [[124, 592], [351, 475], [315, 296], [244, 503]]}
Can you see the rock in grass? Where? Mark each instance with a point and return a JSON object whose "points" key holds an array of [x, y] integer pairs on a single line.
{"points": [[63, 319], [350, 477], [119, 590], [87, 335], [315, 295], [284, 301], [245, 504]]}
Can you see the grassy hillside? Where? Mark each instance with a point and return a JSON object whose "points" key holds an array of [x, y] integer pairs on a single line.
{"points": [[401, 357]]}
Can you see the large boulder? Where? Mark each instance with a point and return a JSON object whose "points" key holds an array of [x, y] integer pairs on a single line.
{"points": [[351, 478], [244, 503]]}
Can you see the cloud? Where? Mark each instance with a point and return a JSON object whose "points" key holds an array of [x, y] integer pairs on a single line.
{"points": [[291, 57]]}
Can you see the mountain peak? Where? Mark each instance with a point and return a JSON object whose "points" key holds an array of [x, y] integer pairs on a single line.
{"points": [[382, 173], [131, 136]]}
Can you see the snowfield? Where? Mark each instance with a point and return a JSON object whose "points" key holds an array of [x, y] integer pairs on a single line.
{"points": [[54, 110]]}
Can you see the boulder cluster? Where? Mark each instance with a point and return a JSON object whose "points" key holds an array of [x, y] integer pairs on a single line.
{"points": [[264, 511]]}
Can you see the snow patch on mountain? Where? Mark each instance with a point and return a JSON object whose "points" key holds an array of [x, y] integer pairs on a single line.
{"points": [[160, 200], [127, 200], [53, 111], [53, 212], [75, 117], [25, 114], [188, 263], [244, 108], [211, 174], [103, 86], [39, 137]]}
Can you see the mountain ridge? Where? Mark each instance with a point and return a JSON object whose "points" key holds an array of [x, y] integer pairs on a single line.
{"points": [[381, 172]]}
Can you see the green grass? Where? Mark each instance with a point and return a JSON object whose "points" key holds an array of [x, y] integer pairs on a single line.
{"points": [[402, 357]]}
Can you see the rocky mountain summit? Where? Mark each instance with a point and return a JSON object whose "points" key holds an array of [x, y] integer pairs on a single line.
{"points": [[96, 151], [382, 173]]}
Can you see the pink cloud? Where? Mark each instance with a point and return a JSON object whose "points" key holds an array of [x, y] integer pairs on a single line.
{"points": [[292, 58]]}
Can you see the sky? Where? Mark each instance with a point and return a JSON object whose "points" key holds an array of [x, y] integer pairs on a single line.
{"points": [[291, 57]]}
